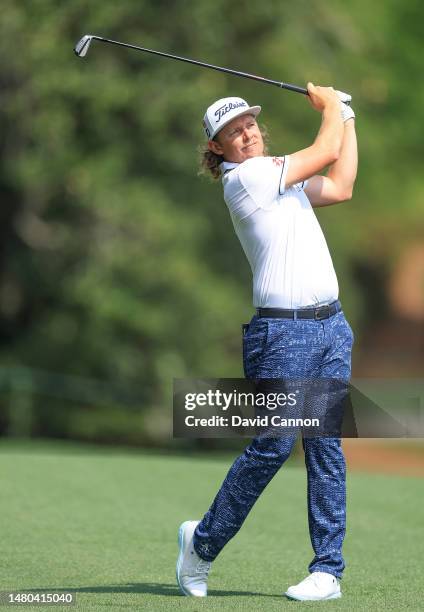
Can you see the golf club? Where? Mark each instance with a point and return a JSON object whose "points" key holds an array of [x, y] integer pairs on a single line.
{"points": [[83, 45]]}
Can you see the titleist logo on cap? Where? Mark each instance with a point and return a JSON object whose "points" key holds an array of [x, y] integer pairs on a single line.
{"points": [[223, 110]]}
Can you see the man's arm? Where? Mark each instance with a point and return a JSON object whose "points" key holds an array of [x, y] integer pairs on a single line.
{"points": [[337, 186], [325, 150]]}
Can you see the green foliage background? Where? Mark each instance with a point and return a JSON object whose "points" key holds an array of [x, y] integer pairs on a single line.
{"points": [[118, 263]]}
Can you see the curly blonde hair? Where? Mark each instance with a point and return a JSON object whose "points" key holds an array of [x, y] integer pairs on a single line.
{"points": [[209, 161]]}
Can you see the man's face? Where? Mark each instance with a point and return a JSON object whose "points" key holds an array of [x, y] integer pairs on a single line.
{"points": [[239, 140]]}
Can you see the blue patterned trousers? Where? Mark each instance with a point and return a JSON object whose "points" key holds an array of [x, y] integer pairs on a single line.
{"points": [[285, 348]]}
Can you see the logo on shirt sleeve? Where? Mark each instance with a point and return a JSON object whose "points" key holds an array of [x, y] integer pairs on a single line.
{"points": [[278, 161]]}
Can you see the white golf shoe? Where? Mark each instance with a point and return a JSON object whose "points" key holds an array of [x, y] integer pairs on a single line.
{"points": [[192, 570], [317, 586]]}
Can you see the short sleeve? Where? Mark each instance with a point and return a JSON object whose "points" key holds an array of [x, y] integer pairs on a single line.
{"points": [[264, 178]]}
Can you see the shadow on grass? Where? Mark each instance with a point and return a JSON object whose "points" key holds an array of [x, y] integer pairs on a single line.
{"points": [[152, 588]]}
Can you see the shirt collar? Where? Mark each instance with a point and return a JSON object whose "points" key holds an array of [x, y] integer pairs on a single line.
{"points": [[226, 166]]}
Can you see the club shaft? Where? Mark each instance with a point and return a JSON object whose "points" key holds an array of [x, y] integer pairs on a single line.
{"points": [[245, 75]]}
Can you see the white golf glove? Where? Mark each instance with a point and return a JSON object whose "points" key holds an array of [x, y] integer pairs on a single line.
{"points": [[347, 112], [344, 97]]}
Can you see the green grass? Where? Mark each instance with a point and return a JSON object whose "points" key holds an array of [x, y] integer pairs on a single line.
{"points": [[104, 526]]}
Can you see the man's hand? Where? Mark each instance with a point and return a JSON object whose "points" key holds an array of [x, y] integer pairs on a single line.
{"points": [[322, 97], [347, 112]]}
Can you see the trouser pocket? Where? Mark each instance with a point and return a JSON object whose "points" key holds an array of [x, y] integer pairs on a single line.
{"points": [[255, 336]]}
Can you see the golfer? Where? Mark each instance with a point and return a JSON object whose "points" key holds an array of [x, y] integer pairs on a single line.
{"points": [[299, 329]]}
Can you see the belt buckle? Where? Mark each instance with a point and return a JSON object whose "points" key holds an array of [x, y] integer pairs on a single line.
{"points": [[323, 312]]}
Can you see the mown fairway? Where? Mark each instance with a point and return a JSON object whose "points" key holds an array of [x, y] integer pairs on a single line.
{"points": [[104, 526]]}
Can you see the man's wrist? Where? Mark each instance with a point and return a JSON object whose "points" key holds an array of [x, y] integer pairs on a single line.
{"points": [[331, 111], [333, 105]]}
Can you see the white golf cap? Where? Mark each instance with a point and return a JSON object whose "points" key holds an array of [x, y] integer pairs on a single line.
{"points": [[225, 110]]}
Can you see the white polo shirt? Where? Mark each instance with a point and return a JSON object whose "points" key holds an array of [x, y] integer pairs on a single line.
{"points": [[280, 235]]}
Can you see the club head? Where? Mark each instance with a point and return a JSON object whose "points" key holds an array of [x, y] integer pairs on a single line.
{"points": [[82, 46]]}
